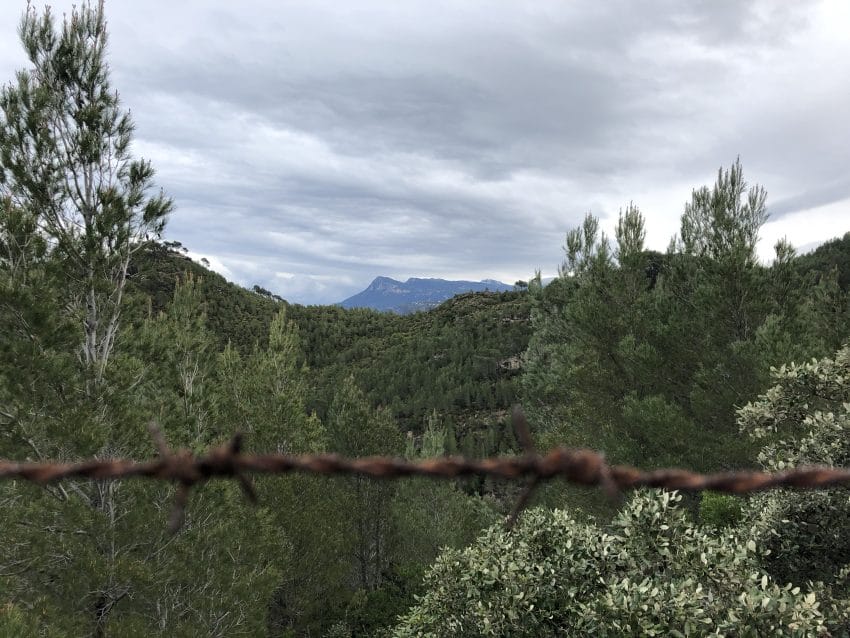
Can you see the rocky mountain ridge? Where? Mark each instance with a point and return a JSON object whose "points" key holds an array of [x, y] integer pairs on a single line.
{"points": [[415, 294]]}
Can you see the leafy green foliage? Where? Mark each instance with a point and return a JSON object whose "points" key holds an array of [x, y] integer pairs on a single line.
{"points": [[647, 356], [804, 419], [649, 572], [776, 564], [720, 510]]}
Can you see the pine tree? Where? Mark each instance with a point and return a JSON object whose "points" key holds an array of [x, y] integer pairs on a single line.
{"points": [[356, 430], [65, 162]]}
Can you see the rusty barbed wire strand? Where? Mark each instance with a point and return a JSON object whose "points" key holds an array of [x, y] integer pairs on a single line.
{"points": [[575, 465], [580, 466], [526, 441]]}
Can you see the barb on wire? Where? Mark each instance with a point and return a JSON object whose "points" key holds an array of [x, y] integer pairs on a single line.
{"points": [[222, 457], [579, 466], [523, 436], [181, 497]]}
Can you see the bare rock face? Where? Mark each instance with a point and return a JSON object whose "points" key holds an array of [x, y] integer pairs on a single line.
{"points": [[415, 294]]}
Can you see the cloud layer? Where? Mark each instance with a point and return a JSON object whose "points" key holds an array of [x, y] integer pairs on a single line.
{"points": [[313, 146]]}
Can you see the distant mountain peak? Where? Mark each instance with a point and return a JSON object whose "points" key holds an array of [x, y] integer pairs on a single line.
{"points": [[388, 294], [384, 284]]}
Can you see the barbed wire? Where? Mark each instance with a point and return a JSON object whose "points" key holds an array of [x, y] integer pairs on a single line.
{"points": [[575, 465]]}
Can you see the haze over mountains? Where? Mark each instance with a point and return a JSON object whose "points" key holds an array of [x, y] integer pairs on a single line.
{"points": [[391, 295]]}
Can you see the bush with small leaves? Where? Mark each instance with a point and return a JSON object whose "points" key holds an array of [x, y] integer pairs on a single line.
{"points": [[804, 419], [650, 572]]}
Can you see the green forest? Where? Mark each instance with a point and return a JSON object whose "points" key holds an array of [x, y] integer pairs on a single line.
{"points": [[698, 357]]}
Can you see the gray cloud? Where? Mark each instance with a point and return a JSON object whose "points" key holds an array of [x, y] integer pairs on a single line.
{"points": [[313, 146], [830, 193]]}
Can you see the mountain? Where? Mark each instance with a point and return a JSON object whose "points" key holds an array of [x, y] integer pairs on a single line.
{"points": [[462, 358], [415, 294]]}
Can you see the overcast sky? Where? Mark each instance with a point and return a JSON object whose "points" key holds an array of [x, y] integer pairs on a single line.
{"points": [[312, 146]]}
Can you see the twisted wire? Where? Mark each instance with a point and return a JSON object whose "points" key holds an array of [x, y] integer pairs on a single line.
{"points": [[574, 465]]}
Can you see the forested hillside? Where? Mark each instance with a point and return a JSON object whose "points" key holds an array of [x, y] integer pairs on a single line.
{"points": [[461, 359], [700, 356]]}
